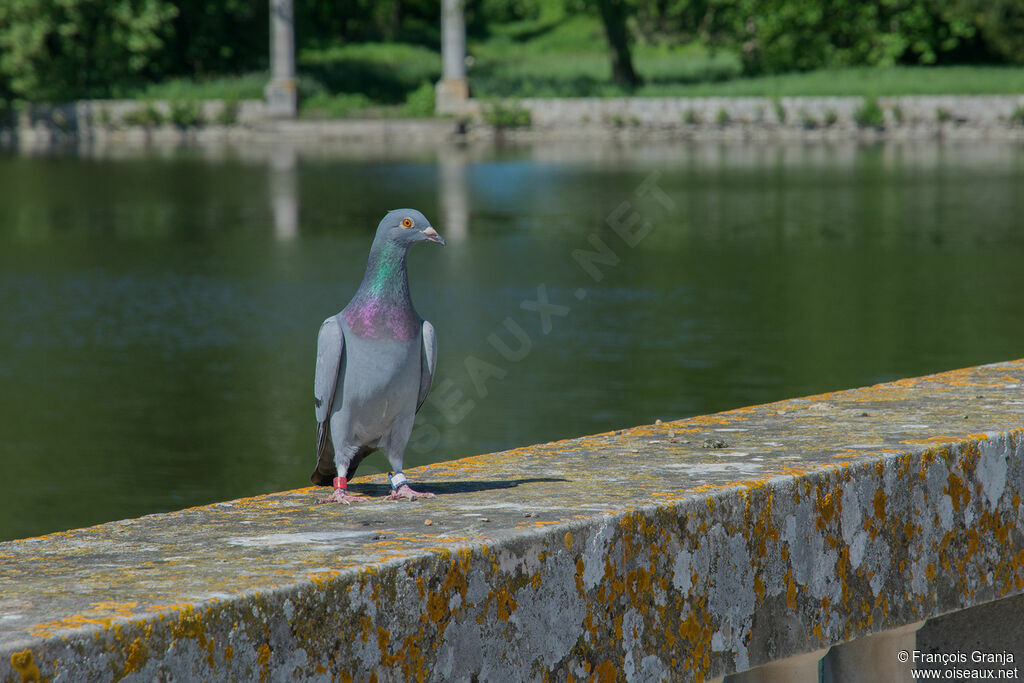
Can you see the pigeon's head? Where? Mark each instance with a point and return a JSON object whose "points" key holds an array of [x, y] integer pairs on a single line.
{"points": [[407, 227]]}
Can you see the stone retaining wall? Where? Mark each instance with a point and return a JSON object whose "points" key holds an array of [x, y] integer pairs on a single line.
{"points": [[681, 550], [919, 117]]}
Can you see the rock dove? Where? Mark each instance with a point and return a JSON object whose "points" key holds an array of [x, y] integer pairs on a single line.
{"points": [[375, 361]]}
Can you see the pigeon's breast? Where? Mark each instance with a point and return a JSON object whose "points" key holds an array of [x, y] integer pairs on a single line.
{"points": [[382, 320]]}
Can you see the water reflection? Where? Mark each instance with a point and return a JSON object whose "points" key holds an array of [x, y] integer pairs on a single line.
{"points": [[284, 196], [158, 311], [453, 191]]}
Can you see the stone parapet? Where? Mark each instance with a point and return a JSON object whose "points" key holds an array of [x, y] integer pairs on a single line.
{"points": [[682, 550]]}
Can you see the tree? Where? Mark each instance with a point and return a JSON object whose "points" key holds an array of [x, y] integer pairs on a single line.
{"points": [[63, 49], [613, 16]]}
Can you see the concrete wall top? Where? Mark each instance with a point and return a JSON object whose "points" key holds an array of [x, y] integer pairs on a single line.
{"points": [[680, 550]]}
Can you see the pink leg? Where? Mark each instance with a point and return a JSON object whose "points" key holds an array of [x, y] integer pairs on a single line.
{"points": [[405, 491], [341, 496]]}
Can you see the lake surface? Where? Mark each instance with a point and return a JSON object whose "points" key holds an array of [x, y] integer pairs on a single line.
{"points": [[159, 310]]}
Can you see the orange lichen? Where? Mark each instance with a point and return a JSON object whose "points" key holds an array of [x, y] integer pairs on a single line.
{"points": [[23, 662]]}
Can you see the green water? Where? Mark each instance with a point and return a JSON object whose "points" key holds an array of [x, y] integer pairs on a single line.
{"points": [[159, 311]]}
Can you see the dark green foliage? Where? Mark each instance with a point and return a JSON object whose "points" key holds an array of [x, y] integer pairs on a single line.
{"points": [[386, 50], [502, 115], [225, 36], [870, 114], [60, 49], [1000, 24], [780, 111], [228, 115], [784, 35], [420, 101], [186, 113], [383, 72], [147, 115], [774, 36]]}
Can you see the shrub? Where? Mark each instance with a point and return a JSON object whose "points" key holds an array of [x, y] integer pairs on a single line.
{"points": [[1017, 116], [870, 114], [420, 102], [104, 118], [228, 114], [780, 111], [691, 117], [722, 117], [507, 115], [146, 115], [186, 113], [831, 117]]}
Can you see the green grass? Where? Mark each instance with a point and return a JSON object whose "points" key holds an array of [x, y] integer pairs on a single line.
{"points": [[386, 73], [869, 81], [563, 55], [245, 87]]}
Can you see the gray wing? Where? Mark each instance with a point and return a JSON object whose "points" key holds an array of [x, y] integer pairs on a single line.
{"points": [[428, 361], [330, 346]]}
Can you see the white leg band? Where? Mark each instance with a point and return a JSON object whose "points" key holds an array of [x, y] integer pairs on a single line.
{"points": [[397, 480]]}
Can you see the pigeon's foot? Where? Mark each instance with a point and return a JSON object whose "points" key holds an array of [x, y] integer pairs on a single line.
{"points": [[341, 496], [406, 492]]}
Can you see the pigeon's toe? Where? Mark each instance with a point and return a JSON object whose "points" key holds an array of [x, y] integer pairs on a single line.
{"points": [[405, 492], [340, 496]]}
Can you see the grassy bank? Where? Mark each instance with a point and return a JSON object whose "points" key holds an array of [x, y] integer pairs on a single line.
{"points": [[565, 56]]}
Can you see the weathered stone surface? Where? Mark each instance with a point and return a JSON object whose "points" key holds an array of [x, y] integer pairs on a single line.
{"points": [[635, 555], [966, 118]]}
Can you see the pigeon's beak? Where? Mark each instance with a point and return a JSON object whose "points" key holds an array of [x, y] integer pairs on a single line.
{"points": [[433, 235]]}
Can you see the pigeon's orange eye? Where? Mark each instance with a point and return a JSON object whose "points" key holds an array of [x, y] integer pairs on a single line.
{"points": [[407, 223]]}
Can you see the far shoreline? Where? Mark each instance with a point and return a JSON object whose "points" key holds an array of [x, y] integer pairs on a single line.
{"points": [[809, 119]]}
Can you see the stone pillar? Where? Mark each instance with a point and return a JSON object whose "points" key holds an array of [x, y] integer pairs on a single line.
{"points": [[453, 88], [281, 92]]}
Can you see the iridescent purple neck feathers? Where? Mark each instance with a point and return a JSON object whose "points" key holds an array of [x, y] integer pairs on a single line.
{"points": [[382, 307]]}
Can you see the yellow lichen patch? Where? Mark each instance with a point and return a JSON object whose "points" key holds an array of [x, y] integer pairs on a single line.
{"points": [[134, 655], [605, 672], [568, 540], [263, 660], [758, 588], [956, 490], [24, 663], [790, 589], [878, 503], [505, 603], [696, 630], [825, 506], [101, 614]]}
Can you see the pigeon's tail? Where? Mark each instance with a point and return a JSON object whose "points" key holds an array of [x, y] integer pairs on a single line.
{"points": [[326, 470]]}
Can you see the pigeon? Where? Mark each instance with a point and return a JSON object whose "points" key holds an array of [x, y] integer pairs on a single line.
{"points": [[375, 362]]}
